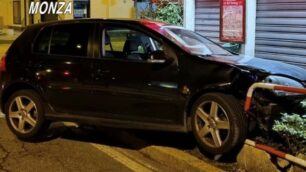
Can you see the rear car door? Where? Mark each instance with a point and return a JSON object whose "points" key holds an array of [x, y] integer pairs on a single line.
{"points": [[127, 84], [62, 63]]}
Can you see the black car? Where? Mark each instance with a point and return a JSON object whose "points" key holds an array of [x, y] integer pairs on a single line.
{"points": [[137, 74]]}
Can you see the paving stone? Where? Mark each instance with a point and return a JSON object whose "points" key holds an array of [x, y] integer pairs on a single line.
{"points": [[282, 162], [255, 160]]}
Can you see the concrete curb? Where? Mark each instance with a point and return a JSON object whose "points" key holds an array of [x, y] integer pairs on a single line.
{"points": [[183, 160], [253, 159]]}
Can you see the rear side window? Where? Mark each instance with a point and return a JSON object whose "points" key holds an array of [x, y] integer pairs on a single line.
{"points": [[70, 40], [42, 42]]}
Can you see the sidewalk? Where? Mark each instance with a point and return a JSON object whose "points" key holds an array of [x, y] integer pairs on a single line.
{"points": [[8, 38], [3, 49]]}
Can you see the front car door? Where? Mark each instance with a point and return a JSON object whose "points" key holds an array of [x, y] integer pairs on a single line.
{"points": [[128, 84]]}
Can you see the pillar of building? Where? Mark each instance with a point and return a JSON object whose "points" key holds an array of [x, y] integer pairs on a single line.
{"points": [[249, 47], [189, 14]]}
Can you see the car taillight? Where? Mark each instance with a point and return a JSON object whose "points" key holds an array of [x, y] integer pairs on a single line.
{"points": [[3, 64]]}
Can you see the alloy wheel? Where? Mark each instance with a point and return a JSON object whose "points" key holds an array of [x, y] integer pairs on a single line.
{"points": [[23, 114], [212, 124]]}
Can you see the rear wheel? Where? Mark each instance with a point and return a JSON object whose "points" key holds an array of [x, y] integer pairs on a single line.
{"points": [[25, 114], [218, 123]]}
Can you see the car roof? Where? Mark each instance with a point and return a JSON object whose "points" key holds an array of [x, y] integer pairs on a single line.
{"points": [[143, 22]]}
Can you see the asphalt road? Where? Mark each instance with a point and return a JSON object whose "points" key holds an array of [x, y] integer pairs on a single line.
{"points": [[67, 148], [72, 149]]}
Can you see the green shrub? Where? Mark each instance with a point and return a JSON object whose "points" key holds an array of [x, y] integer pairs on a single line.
{"points": [[304, 104], [292, 128], [165, 12], [170, 13]]}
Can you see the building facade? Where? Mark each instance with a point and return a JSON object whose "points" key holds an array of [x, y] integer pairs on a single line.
{"points": [[15, 13], [275, 29]]}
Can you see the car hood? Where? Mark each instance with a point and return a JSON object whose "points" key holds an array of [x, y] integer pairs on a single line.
{"points": [[269, 66]]}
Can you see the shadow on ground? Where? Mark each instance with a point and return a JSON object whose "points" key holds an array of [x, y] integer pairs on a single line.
{"points": [[132, 139], [136, 140]]}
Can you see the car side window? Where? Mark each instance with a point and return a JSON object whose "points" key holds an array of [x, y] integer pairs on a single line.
{"points": [[70, 39], [128, 44], [41, 44]]}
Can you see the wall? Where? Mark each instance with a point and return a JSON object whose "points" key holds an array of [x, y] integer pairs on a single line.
{"points": [[98, 9], [112, 9], [6, 12], [67, 16], [36, 16]]}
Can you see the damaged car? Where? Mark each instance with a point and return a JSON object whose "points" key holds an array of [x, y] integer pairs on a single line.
{"points": [[139, 74]]}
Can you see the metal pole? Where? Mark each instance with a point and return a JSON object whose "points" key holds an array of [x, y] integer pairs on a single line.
{"points": [[268, 86], [276, 152]]}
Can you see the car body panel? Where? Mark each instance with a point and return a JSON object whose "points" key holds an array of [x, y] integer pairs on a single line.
{"points": [[130, 94], [270, 66]]}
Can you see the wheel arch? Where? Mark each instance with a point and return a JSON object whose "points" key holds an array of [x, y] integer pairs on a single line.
{"points": [[225, 89], [12, 88]]}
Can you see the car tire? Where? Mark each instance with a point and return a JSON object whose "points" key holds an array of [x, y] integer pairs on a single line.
{"points": [[25, 115], [218, 123]]}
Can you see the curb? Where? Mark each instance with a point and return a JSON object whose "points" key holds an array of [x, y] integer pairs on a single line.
{"points": [[182, 160], [259, 158]]}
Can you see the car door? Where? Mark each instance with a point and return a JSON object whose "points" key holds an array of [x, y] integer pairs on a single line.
{"points": [[63, 63], [130, 86]]}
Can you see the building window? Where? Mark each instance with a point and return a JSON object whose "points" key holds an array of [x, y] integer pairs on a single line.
{"points": [[81, 9], [16, 12]]}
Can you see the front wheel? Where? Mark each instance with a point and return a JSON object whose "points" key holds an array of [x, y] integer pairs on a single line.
{"points": [[25, 114], [218, 123]]}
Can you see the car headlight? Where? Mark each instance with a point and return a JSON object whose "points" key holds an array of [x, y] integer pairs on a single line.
{"points": [[283, 81]]}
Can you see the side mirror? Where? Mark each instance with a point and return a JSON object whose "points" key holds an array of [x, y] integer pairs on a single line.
{"points": [[157, 57]]}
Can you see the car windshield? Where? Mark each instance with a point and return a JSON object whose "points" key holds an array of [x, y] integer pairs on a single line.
{"points": [[193, 42]]}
